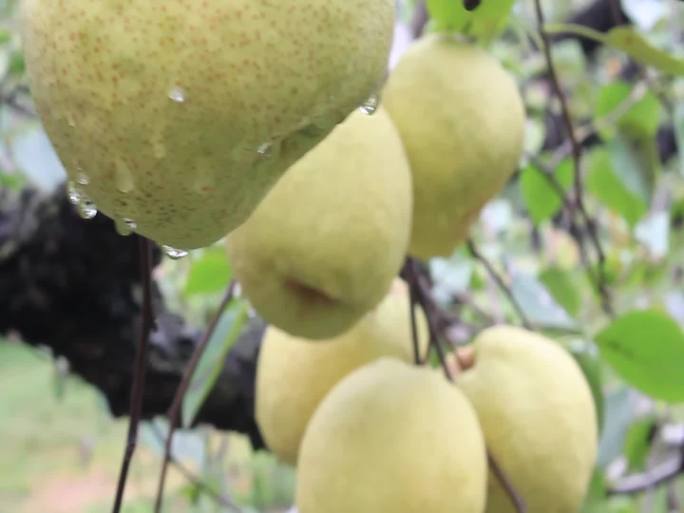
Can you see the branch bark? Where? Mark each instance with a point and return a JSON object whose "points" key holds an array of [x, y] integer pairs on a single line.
{"points": [[73, 286]]}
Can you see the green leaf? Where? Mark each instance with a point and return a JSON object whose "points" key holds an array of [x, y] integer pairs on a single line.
{"points": [[12, 181], [638, 443], [588, 360], [484, 22], [637, 119], [209, 368], [561, 285], [541, 198], [538, 304], [209, 273], [603, 182], [642, 51], [637, 163], [646, 348], [618, 416]]}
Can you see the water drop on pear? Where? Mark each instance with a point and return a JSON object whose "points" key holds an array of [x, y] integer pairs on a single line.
{"points": [[174, 253], [370, 106]]}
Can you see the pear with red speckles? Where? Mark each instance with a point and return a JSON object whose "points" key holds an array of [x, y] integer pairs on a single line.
{"points": [[177, 117]]}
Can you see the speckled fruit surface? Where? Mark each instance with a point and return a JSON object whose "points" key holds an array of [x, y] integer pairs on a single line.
{"points": [[178, 116]]}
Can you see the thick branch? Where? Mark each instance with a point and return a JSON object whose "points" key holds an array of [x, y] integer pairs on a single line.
{"points": [[73, 286]]}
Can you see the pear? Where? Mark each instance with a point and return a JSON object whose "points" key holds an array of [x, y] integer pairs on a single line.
{"points": [[392, 438], [325, 244], [294, 374], [462, 120], [176, 117], [538, 417]]}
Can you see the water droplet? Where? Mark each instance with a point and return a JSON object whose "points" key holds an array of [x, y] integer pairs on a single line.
{"points": [[177, 94], [86, 208], [370, 106], [174, 253], [123, 177], [265, 150], [82, 178], [73, 193], [125, 226]]}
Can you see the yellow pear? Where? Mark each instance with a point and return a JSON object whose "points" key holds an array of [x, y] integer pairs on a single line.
{"points": [[392, 438], [462, 121], [294, 374], [178, 116], [538, 418], [325, 244]]}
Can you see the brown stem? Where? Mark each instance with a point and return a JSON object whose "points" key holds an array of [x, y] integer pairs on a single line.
{"points": [[505, 482], [656, 476], [173, 414], [576, 151], [413, 301], [140, 369]]}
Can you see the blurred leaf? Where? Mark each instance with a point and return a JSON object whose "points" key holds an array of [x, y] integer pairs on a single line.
{"points": [[654, 233], [538, 304], [679, 132], [590, 364], [637, 163], [561, 285], [17, 65], [646, 348], [608, 188], [617, 418], [212, 362], [451, 276], [594, 501], [642, 51], [541, 198], [641, 119], [638, 443], [484, 22], [209, 273], [13, 181]]}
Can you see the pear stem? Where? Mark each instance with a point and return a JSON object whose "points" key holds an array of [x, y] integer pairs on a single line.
{"points": [[173, 415], [139, 369]]}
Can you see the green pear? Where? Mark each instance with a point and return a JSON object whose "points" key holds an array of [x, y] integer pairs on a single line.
{"points": [[325, 244], [294, 374], [392, 438], [462, 121], [176, 117], [538, 417]]}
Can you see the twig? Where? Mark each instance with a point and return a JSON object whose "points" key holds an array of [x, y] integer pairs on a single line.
{"points": [[195, 480], [576, 151], [661, 474], [139, 371], [420, 287], [173, 414], [500, 283], [420, 290], [413, 301], [420, 19], [505, 482]]}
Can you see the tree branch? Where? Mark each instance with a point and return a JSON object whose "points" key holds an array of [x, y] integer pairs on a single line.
{"points": [[73, 286]]}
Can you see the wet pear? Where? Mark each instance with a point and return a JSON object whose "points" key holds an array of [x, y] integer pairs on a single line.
{"points": [[181, 115]]}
